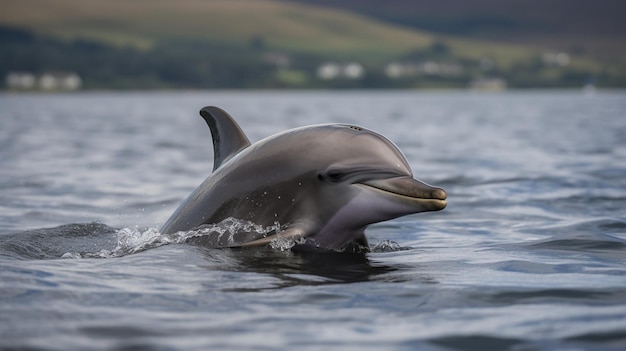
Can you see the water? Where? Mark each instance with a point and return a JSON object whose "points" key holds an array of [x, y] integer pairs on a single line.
{"points": [[528, 255]]}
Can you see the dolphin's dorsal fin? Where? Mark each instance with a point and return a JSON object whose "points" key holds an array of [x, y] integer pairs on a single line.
{"points": [[228, 138]]}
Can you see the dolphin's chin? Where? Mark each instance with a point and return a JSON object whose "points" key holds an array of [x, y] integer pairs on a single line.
{"points": [[409, 191]]}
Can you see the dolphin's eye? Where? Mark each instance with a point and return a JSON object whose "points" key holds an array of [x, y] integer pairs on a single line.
{"points": [[335, 175], [331, 176]]}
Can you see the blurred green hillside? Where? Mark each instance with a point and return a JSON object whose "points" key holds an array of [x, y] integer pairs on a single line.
{"points": [[266, 44], [592, 27]]}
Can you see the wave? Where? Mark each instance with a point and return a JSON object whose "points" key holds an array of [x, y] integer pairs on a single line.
{"points": [[97, 240], [595, 235]]}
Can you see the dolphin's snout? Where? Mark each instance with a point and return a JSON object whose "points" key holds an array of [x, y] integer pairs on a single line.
{"points": [[439, 194], [438, 198], [428, 197], [408, 186]]}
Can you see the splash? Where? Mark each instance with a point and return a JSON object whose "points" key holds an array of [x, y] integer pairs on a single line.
{"points": [[284, 243], [229, 232], [388, 246], [129, 240]]}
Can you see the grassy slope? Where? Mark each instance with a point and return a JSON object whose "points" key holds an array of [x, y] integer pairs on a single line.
{"points": [[143, 22], [597, 27], [282, 25]]}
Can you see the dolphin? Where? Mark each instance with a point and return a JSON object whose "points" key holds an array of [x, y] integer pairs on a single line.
{"points": [[324, 184]]}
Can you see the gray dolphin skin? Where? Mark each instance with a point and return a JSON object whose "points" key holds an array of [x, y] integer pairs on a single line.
{"points": [[323, 184]]}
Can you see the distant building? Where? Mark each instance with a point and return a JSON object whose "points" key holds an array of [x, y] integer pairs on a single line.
{"points": [[556, 59], [278, 59], [67, 81], [332, 70], [442, 69], [20, 81], [328, 71], [430, 68], [49, 81], [399, 70], [353, 70], [488, 84]]}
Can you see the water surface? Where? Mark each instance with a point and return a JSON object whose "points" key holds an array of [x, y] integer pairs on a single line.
{"points": [[529, 254]]}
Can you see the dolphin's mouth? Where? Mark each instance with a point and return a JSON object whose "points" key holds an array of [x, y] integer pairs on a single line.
{"points": [[410, 190]]}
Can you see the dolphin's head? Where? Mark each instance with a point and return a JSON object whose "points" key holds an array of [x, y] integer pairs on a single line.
{"points": [[358, 178]]}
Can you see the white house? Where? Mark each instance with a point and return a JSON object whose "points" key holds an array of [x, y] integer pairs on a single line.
{"points": [[332, 70], [20, 80], [60, 81]]}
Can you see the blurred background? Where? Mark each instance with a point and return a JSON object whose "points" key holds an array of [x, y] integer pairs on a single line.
{"points": [[281, 44]]}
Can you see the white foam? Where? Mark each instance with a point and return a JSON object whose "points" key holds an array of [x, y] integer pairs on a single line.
{"points": [[387, 246], [229, 232]]}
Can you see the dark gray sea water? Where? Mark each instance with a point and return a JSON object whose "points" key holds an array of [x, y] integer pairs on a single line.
{"points": [[530, 253]]}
